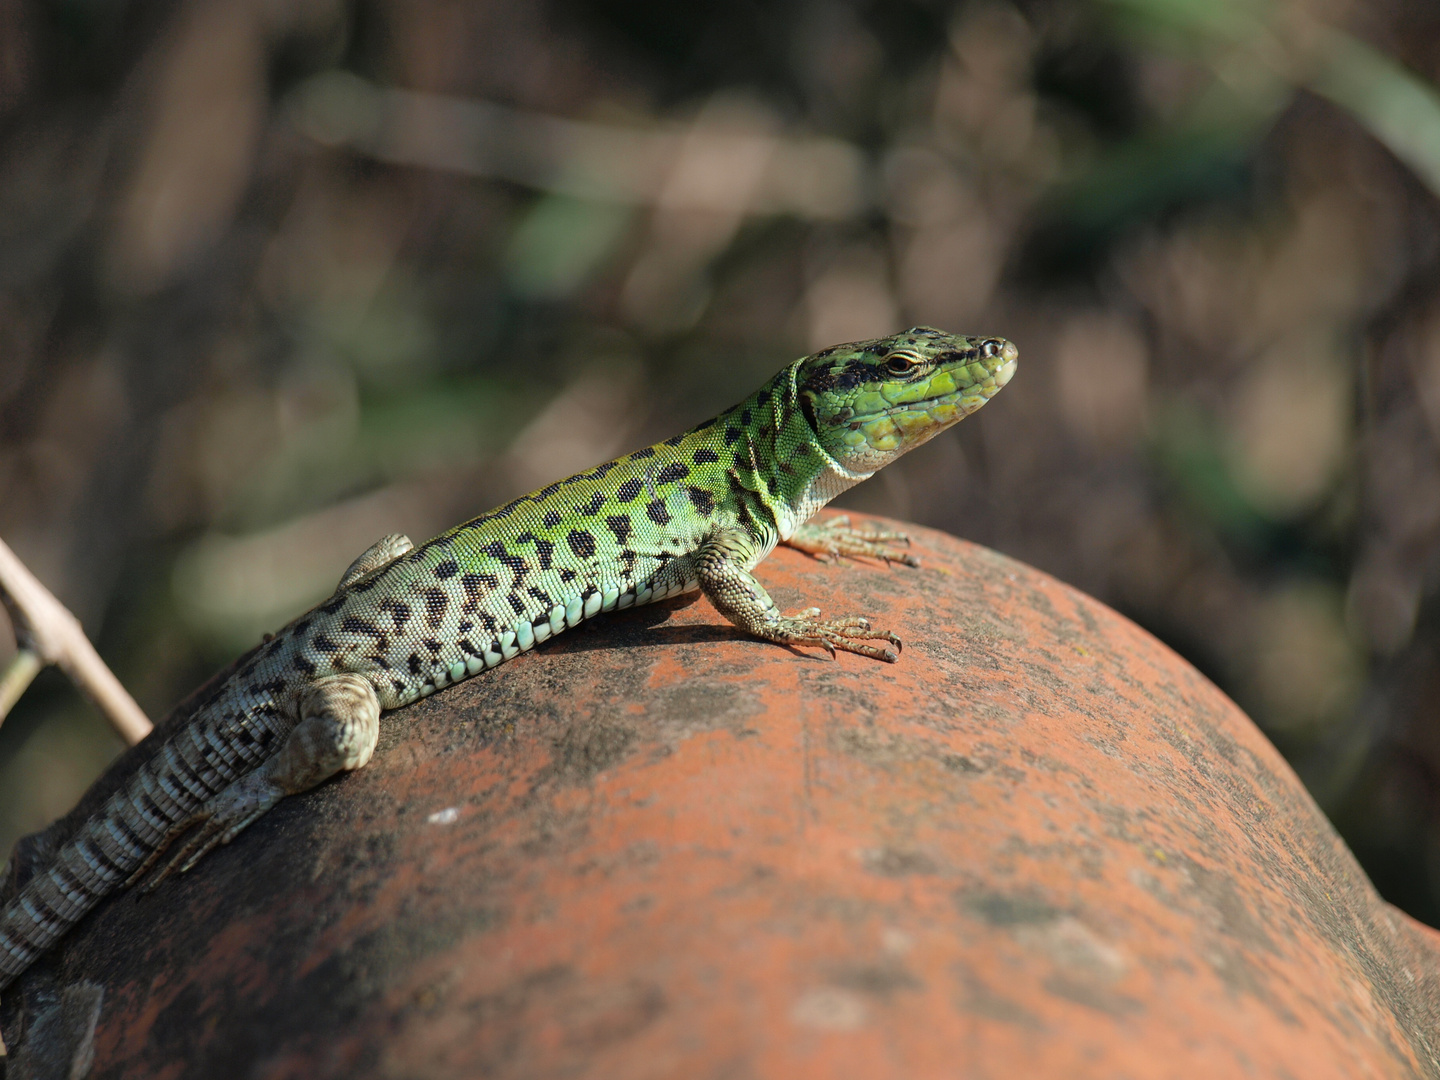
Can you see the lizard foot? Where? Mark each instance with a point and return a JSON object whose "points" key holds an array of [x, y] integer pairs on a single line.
{"points": [[835, 537], [217, 822], [846, 634], [339, 723]]}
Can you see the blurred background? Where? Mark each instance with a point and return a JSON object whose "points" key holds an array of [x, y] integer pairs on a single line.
{"points": [[278, 278]]}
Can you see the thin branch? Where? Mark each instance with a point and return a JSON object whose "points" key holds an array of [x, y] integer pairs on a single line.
{"points": [[46, 629], [16, 678]]}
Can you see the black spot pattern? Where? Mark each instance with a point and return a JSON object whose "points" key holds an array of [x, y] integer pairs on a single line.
{"points": [[702, 500], [551, 519], [742, 509], [705, 456], [447, 569], [477, 585], [544, 549], [672, 472], [436, 604], [582, 543], [627, 491], [399, 613], [657, 513], [620, 526]]}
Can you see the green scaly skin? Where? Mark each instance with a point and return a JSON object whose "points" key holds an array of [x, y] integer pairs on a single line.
{"points": [[699, 510]]}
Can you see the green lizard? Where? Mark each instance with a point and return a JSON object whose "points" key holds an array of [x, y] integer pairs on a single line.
{"points": [[699, 510]]}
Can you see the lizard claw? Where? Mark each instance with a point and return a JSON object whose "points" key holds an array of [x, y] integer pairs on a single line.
{"points": [[210, 835], [846, 634], [177, 830], [180, 861]]}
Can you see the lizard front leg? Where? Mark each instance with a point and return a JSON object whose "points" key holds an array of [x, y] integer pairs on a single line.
{"points": [[720, 569], [338, 728]]}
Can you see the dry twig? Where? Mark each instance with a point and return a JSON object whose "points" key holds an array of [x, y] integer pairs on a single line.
{"points": [[48, 634]]}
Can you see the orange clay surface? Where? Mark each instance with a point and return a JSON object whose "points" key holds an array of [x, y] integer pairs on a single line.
{"points": [[1041, 845]]}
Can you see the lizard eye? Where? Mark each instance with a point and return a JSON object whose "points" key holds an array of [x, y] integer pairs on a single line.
{"points": [[990, 349], [899, 364]]}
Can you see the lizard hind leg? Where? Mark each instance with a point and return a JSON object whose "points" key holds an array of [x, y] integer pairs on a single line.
{"points": [[339, 725]]}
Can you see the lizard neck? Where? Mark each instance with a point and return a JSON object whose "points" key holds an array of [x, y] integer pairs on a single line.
{"points": [[800, 476]]}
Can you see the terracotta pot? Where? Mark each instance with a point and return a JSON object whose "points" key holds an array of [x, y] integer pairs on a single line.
{"points": [[1041, 845]]}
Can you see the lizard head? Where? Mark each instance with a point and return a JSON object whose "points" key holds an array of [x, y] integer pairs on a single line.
{"points": [[870, 401]]}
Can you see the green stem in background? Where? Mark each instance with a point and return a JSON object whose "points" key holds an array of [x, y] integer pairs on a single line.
{"points": [[1396, 106], [16, 678], [1242, 41]]}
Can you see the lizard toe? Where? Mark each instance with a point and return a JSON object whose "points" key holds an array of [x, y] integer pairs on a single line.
{"points": [[219, 821]]}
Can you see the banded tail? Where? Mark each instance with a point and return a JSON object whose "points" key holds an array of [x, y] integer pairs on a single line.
{"points": [[112, 845]]}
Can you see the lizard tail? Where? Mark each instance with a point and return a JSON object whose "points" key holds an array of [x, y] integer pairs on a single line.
{"points": [[108, 848], [84, 871]]}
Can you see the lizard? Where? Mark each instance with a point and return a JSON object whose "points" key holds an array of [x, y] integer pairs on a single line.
{"points": [[696, 511]]}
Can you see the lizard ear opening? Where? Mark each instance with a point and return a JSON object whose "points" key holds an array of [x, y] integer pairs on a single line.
{"points": [[807, 406]]}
